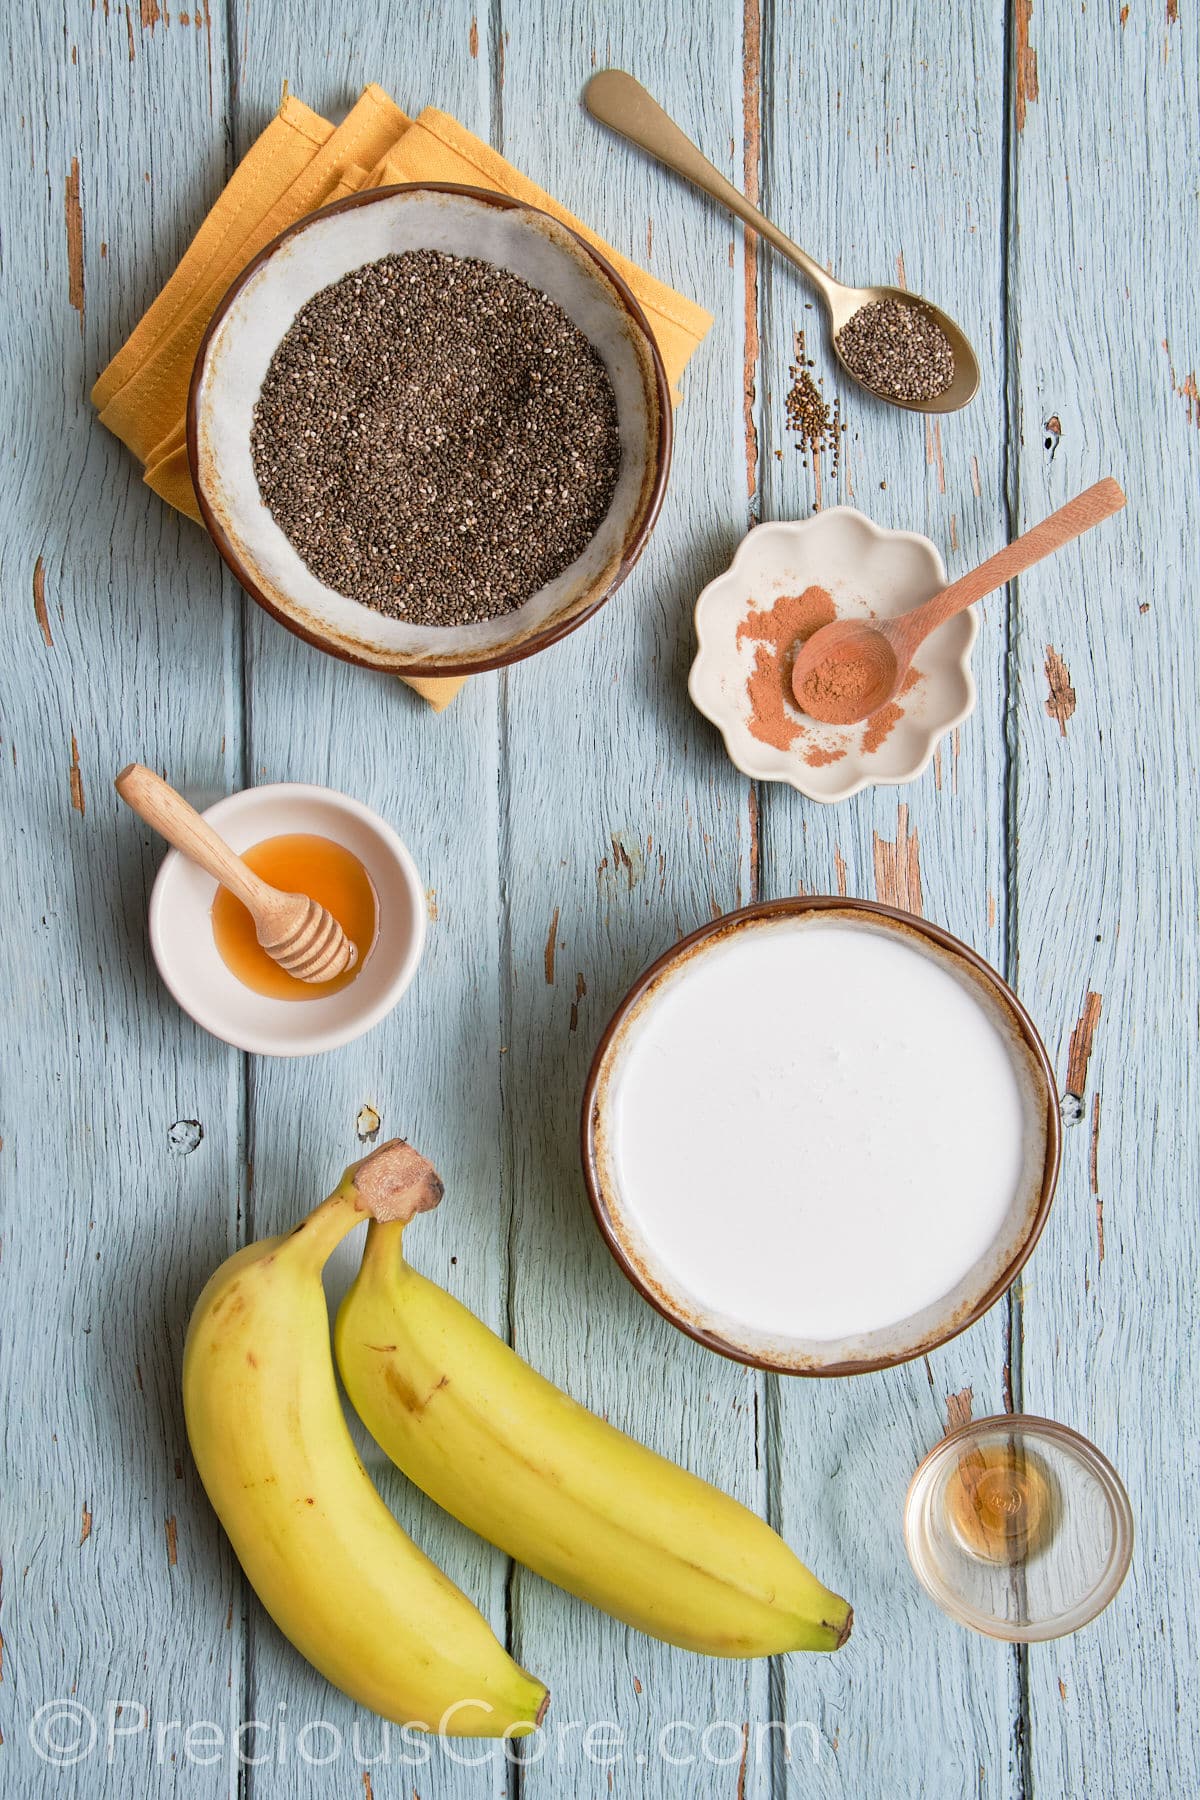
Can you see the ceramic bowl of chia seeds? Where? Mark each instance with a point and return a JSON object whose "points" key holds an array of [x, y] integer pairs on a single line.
{"points": [[429, 430]]}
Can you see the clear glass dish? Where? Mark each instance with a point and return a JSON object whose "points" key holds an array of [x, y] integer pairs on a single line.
{"points": [[1018, 1528]]}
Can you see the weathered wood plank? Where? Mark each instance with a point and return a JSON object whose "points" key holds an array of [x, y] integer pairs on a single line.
{"points": [[881, 135], [883, 153], [622, 829], [431, 1071], [119, 1589], [1105, 324]]}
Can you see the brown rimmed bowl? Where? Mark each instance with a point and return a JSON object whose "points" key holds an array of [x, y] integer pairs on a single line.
{"points": [[985, 1282], [258, 310]]}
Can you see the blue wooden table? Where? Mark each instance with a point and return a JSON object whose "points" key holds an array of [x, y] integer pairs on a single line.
{"points": [[1035, 170]]}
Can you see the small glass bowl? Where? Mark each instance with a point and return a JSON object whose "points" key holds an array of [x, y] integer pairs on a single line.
{"points": [[1022, 1582]]}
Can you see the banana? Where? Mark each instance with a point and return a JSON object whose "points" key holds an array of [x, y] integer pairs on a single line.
{"points": [[323, 1553], [560, 1490]]}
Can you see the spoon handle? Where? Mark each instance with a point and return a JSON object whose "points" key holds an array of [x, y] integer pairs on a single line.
{"points": [[1090, 508], [156, 801], [623, 104]]}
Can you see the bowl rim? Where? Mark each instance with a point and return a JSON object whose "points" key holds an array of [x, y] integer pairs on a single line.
{"points": [[1038, 1429], [796, 907], [538, 640], [301, 1043]]}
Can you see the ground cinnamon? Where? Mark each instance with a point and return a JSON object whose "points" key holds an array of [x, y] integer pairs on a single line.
{"points": [[793, 618], [881, 724], [779, 630], [879, 727], [842, 683]]}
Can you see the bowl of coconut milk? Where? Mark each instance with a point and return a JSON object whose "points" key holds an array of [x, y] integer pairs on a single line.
{"points": [[821, 1136]]}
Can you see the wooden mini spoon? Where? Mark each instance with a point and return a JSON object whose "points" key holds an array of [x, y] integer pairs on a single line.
{"points": [[848, 670], [300, 935]]}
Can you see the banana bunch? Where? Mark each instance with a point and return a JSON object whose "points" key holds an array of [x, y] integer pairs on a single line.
{"points": [[485, 1436], [321, 1550], [559, 1489]]}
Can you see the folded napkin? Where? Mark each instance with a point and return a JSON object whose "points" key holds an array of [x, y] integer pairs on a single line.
{"points": [[302, 162]]}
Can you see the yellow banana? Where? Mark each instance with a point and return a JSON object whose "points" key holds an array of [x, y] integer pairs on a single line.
{"points": [[556, 1487], [325, 1556]]}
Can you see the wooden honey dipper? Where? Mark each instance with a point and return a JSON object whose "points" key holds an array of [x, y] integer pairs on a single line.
{"points": [[302, 937]]}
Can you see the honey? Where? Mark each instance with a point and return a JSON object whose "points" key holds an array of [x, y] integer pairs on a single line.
{"points": [[1000, 1503], [299, 863]]}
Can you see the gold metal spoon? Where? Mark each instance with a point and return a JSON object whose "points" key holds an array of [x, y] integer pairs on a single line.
{"points": [[623, 104], [848, 670]]}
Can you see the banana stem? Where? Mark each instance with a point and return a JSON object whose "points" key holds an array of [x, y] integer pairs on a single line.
{"points": [[394, 1183], [391, 1185], [318, 1236], [383, 1251]]}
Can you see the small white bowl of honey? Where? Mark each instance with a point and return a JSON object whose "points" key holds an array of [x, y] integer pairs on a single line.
{"points": [[302, 839]]}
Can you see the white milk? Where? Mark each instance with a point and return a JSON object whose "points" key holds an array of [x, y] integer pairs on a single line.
{"points": [[817, 1130]]}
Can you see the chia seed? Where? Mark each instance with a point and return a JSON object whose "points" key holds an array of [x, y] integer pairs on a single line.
{"points": [[816, 423], [897, 351], [436, 438]]}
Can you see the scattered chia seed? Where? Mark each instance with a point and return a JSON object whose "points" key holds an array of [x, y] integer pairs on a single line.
{"points": [[436, 438], [897, 351], [817, 425]]}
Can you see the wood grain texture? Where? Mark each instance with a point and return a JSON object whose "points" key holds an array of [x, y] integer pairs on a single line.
{"points": [[118, 1583], [1106, 324], [432, 1069], [922, 137], [620, 817], [571, 819]]}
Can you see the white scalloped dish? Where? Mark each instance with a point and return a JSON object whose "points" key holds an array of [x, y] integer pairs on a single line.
{"points": [[867, 571]]}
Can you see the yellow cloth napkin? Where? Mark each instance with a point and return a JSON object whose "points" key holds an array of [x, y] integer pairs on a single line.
{"points": [[299, 163]]}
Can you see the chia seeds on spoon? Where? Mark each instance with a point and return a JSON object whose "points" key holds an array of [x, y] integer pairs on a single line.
{"points": [[897, 351], [436, 438]]}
